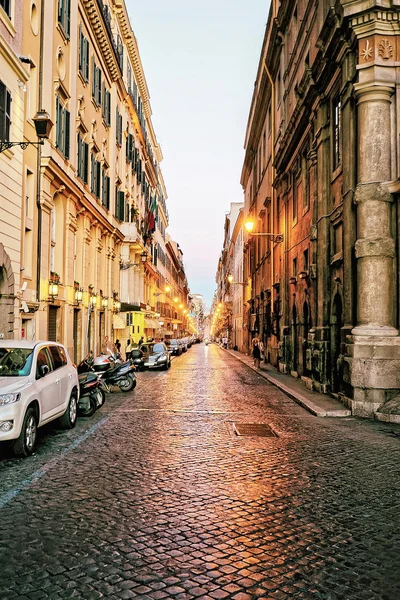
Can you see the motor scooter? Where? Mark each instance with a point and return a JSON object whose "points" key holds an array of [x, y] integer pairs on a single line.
{"points": [[91, 396], [111, 373]]}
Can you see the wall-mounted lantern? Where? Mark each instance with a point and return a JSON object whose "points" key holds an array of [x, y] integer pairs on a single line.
{"points": [[78, 295], [53, 290], [104, 302]]}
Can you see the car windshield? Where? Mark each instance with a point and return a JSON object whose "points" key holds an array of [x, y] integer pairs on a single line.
{"points": [[158, 348], [15, 362]]}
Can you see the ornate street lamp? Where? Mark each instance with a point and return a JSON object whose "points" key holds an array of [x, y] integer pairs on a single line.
{"points": [[249, 226], [53, 290], [78, 295], [43, 125]]}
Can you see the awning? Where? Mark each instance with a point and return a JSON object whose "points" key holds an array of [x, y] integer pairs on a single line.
{"points": [[151, 324], [118, 322]]}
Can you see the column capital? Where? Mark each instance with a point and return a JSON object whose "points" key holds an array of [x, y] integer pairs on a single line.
{"points": [[373, 92]]}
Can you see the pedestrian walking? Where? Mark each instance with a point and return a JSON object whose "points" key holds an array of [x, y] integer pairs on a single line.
{"points": [[141, 341], [128, 349], [256, 352], [225, 342], [261, 346], [118, 346]]}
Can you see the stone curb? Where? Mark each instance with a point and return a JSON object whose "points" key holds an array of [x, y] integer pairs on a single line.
{"points": [[303, 401]]}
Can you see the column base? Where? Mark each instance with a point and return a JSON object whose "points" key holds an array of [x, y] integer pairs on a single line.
{"points": [[375, 330], [374, 368]]}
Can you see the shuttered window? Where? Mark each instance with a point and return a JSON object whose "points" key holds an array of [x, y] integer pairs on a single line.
{"points": [[95, 176], [119, 128], [96, 83], [105, 190], [83, 159], [62, 128], [119, 204], [5, 113], [83, 55], [106, 108], [64, 15], [129, 147]]}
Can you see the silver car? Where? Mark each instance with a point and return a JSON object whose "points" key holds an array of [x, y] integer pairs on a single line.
{"points": [[38, 383]]}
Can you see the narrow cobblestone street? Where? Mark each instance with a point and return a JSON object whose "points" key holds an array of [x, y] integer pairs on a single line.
{"points": [[157, 497]]}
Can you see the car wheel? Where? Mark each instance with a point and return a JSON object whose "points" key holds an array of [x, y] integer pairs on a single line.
{"points": [[169, 365], [87, 405], [165, 367], [68, 420], [126, 384], [25, 444]]}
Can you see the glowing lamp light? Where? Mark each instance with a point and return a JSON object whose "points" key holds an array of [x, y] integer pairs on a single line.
{"points": [[104, 302], [93, 300], [53, 289], [230, 278], [249, 225]]}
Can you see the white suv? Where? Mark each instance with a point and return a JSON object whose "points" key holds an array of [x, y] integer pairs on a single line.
{"points": [[38, 383]]}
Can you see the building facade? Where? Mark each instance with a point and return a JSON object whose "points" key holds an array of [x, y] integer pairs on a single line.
{"points": [[320, 179], [88, 251]]}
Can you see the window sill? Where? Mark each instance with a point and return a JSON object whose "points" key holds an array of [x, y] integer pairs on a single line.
{"points": [[82, 78], [62, 32]]}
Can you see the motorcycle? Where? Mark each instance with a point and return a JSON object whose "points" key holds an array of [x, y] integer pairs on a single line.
{"points": [[91, 395], [111, 370]]}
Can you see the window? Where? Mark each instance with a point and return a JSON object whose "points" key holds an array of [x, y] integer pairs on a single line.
{"points": [[105, 190], [62, 128], [119, 204], [53, 241], [83, 56], [294, 267], [5, 112], [94, 176], [83, 159], [6, 6], [337, 126], [96, 83], [119, 128], [64, 14], [43, 360], [106, 108], [129, 147], [305, 260], [58, 359]]}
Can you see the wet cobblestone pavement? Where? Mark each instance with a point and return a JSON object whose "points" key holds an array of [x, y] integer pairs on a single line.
{"points": [[156, 497]]}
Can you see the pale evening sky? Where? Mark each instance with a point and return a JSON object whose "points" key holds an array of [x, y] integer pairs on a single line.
{"points": [[200, 60]]}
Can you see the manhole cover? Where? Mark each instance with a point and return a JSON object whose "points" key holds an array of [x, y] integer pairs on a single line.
{"points": [[255, 429]]}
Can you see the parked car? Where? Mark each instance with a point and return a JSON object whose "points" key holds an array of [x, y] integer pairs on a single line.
{"points": [[182, 344], [38, 383], [174, 347], [155, 355]]}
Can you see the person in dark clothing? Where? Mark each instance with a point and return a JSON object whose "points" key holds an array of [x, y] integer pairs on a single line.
{"points": [[141, 341], [256, 352], [118, 345], [128, 349]]}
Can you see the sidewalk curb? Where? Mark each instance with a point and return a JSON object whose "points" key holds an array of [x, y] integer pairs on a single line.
{"points": [[296, 396]]}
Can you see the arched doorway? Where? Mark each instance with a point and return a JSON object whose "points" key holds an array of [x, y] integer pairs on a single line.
{"points": [[336, 340]]}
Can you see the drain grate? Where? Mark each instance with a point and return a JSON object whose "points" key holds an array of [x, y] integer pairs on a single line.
{"points": [[254, 429]]}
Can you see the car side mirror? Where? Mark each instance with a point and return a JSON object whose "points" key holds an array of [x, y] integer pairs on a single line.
{"points": [[44, 369]]}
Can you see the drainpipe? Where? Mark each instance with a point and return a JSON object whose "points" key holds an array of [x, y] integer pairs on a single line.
{"points": [[39, 159]]}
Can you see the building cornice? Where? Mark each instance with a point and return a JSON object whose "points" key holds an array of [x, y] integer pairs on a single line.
{"points": [[96, 19], [12, 59]]}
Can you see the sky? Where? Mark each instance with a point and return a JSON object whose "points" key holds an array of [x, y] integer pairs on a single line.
{"points": [[200, 61]]}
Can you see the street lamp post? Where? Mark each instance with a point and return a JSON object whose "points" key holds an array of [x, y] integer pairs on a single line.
{"points": [[249, 226]]}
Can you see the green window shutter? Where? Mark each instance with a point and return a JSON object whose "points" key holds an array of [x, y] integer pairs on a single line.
{"points": [[116, 202], [98, 169], [59, 124], [103, 105], [3, 101], [121, 206], [68, 17], [98, 99], [94, 78], [120, 129], [60, 11], [79, 160], [103, 187], [92, 173], [86, 56], [108, 180], [81, 38], [66, 132], [86, 162]]}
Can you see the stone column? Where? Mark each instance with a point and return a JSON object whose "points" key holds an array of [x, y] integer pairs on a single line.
{"points": [[375, 247], [375, 361]]}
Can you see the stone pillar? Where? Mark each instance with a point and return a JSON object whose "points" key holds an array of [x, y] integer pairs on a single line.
{"points": [[375, 247], [375, 364]]}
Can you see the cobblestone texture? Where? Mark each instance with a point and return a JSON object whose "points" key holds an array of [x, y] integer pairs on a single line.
{"points": [[155, 497]]}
